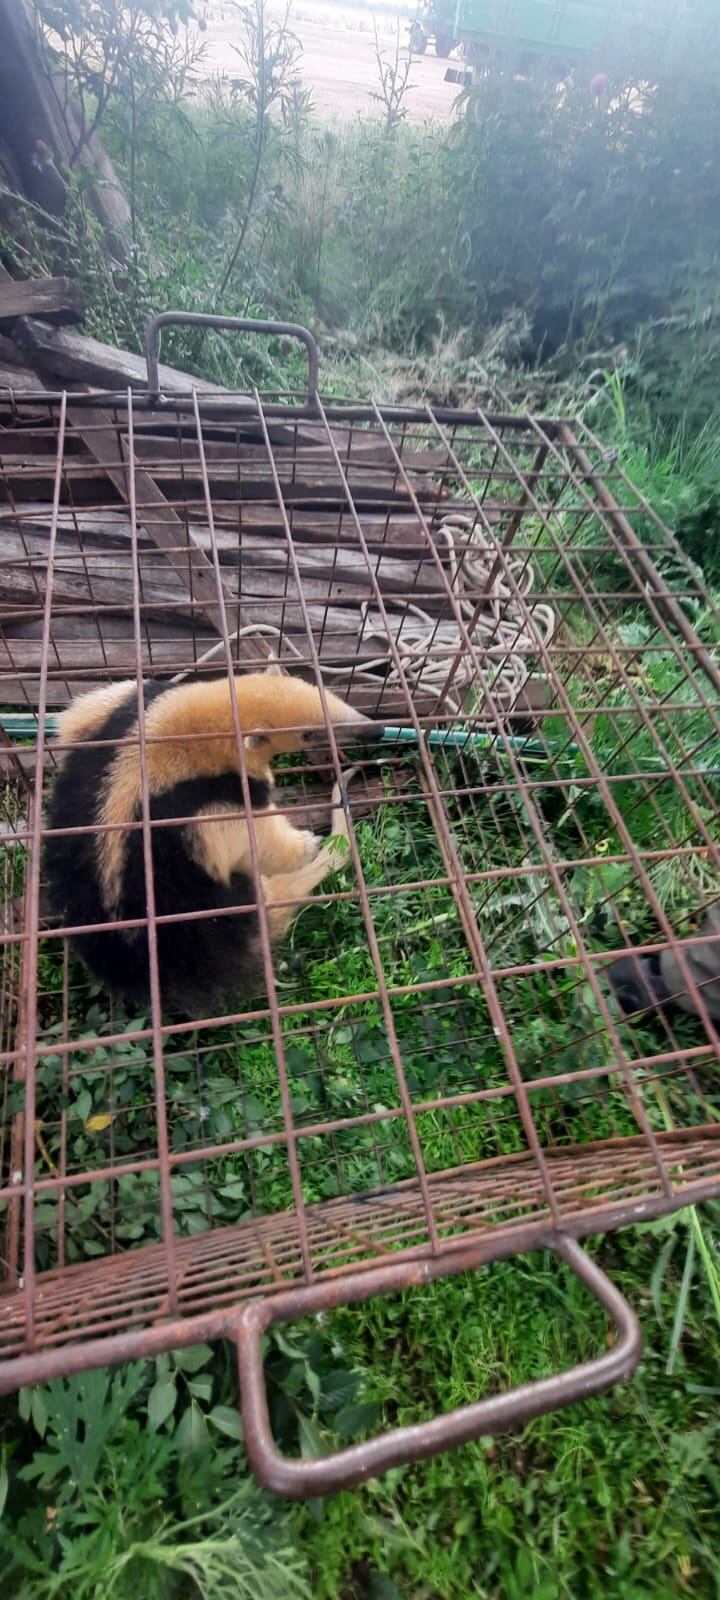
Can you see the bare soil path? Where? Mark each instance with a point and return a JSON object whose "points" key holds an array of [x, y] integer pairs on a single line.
{"points": [[338, 63]]}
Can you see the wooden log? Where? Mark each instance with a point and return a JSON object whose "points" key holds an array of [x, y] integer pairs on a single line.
{"points": [[183, 452], [396, 532], [298, 437], [61, 353], [9, 356], [93, 563], [359, 450], [31, 477], [55, 300], [80, 578], [20, 642], [18, 381]]}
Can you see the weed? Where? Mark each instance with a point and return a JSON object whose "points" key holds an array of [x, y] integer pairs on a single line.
{"points": [[123, 1499]]}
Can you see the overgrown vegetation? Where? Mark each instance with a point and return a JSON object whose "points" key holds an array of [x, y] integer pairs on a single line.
{"points": [[567, 245], [542, 231], [597, 219], [616, 1497]]}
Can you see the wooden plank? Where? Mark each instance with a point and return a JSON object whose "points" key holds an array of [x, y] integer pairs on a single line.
{"points": [[93, 563], [103, 440], [337, 623], [29, 475], [361, 452], [9, 354], [396, 531], [62, 353], [56, 300], [298, 437], [180, 456], [19, 380]]}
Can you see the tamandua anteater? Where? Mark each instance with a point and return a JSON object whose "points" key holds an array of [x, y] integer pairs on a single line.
{"points": [[207, 964]]}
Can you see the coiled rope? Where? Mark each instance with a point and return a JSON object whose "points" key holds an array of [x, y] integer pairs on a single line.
{"points": [[509, 631]]}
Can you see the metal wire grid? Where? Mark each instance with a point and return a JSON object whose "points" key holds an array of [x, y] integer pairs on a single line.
{"points": [[417, 1116]]}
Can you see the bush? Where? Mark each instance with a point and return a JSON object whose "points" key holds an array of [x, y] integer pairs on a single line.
{"points": [[591, 216]]}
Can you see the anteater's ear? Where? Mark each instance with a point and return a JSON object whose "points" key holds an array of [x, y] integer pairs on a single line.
{"points": [[275, 670], [256, 741]]}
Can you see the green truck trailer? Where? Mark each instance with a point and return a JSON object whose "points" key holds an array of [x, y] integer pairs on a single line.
{"points": [[564, 32]]}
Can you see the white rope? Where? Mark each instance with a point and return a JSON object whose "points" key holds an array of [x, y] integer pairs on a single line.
{"points": [[252, 629], [505, 637]]}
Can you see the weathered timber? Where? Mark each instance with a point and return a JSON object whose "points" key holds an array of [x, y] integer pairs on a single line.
{"points": [[93, 564], [62, 353], [10, 356], [55, 300], [18, 380], [169, 532]]}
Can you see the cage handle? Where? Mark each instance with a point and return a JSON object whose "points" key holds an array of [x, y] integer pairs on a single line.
{"points": [[202, 319], [342, 1469]]}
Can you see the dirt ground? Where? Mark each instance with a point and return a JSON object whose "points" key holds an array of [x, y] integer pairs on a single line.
{"points": [[338, 62]]}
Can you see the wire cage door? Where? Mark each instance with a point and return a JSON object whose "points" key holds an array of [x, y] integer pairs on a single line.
{"points": [[436, 1069]]}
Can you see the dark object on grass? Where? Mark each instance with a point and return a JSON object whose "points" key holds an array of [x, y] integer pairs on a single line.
{"points": [[659, 983]]}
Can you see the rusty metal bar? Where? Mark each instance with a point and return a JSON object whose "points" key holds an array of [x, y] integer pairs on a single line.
{"points": [[260, 903], [344, 1469], [163, 1140], [198, 319], [33, 919]]}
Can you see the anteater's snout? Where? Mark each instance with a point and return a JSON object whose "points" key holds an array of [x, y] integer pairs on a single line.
{"points": [[361, 730], [366, 732]]}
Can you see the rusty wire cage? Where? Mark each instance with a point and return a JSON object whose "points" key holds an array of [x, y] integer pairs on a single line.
{"points": [[438, 1073]]}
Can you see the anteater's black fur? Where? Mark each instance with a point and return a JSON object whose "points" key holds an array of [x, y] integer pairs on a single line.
{"points": [[203, 964]]}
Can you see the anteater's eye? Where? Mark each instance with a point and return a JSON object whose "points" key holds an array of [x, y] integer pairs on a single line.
{"points": [[306, 737]]}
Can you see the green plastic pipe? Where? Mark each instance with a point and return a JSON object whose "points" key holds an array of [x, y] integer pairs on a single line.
{"points": [[23, 725]]}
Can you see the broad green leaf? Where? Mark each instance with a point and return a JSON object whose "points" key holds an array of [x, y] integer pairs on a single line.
{"points": [[339, 1388], [379, 1587], [227, 1420], [354, 1419], [161, 1402], [192, 1359], [39, 1412], [83, 1105], [296, 1352], [191, 1431], [201, 1387], [311, 1440], [313, 1382]]}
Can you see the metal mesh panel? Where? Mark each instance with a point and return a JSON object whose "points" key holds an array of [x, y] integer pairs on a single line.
{"points": [[475, 1087]]}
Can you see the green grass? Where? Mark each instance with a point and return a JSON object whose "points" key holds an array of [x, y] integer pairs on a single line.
{"points": [[616, 1497]]}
